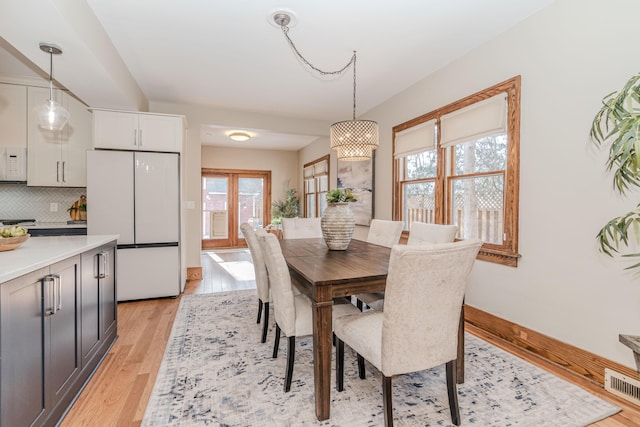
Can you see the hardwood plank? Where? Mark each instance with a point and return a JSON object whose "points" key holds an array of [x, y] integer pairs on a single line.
{"points": [[118, 393]]}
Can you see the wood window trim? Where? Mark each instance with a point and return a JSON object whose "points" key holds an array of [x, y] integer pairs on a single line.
{"points": [[507, 254], [327, 159]]}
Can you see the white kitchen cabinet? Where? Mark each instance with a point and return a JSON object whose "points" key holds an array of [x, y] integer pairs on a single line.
{"points": [[122, 130], [13, 116], [58, 158]]}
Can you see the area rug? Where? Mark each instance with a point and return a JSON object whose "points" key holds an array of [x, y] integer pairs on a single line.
{"points": [[215, 372]]}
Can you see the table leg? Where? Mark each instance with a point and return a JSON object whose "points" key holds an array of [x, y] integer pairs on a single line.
{"points": [[322, 351], [460, 356]]}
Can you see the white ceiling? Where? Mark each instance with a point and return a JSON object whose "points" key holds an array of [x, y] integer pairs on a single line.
{"points": [[229, 54]]}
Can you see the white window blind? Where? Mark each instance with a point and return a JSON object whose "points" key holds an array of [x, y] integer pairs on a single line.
{"points": [[320, 168], [308, 171], [415, 139], [484, 118]]}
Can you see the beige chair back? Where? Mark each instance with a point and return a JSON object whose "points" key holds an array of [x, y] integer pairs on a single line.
{"points": [[421, 232], [259, 267], [301, 228], [423, 299], [384, 232], [280, 281]]}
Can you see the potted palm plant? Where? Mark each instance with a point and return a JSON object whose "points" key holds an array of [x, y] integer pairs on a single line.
{"points": [[617, 125]]}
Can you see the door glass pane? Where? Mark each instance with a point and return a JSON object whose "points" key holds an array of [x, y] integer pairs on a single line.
{"points": [[215, 205], [478, 208], [419, 202], [250, 202]]}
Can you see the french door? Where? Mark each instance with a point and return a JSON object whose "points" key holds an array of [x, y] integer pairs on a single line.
{"points": [[230, 198]]}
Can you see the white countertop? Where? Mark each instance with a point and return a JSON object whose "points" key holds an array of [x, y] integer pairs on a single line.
{"points": [[38, 252]]}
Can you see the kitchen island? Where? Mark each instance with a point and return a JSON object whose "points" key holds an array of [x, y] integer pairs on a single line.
{"points": [[58, 319]]}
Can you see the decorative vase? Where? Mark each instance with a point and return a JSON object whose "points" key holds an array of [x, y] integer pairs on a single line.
{"points": [[337, 225]]}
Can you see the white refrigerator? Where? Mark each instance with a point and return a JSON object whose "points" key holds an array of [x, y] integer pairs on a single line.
{"points": [[137, 196]]}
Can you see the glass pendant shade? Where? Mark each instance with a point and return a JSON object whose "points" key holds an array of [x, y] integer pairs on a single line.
{"points": [[354, 140], [51, 115]]}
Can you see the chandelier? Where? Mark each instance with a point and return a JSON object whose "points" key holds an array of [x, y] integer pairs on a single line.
{"points": [[352, 140]]}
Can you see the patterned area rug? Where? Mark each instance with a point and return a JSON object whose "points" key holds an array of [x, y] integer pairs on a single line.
{"points": [[215, 372]]}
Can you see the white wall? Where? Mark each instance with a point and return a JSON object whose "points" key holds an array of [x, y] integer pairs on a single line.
{"points": [[569, 55]]}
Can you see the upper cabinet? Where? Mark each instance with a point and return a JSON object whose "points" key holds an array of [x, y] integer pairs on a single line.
{"points": [[58, 158], [122, 130], [13, 115]]}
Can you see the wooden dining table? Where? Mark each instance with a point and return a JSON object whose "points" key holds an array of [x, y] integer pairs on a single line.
{"points": [[323, 275]]}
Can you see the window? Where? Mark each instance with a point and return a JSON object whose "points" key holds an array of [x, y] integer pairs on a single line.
{"points": [[460, 165], [316, 185]]}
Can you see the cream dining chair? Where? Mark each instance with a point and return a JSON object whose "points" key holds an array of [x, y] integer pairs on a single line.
{"points": [[384, 233], [301, 228], [293, 313], [262, 277], [418, 328], [419, 233]]}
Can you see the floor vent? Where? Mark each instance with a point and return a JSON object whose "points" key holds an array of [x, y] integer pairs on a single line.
{"points": [[621, 385]]}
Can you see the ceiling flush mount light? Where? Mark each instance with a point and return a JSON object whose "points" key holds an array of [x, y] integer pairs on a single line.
{"points": [[50, 114], [240, 136], [352, 140]]}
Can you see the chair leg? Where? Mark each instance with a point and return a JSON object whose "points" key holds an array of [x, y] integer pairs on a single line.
{"points": [[359, 305], [276, 342], [291, 352], [259, 310], [339, 364], [388, 401], [361, 372], [265, 326], [452, 390]]}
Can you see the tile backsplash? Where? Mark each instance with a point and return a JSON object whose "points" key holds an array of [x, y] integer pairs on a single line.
{"points": [[19, 201]]}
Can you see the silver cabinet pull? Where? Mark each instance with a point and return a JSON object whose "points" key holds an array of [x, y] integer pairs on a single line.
{"points": [[103, 264], [140, 137], [53, 290], [58, 171], [135, 137], [64, 167]]}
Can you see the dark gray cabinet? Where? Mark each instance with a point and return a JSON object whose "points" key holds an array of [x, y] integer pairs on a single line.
{"points": [[56, 325], [40, 351], [99, 310]]}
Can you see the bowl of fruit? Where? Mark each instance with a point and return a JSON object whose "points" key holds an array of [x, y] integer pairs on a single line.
{"points": [[13, 237]]}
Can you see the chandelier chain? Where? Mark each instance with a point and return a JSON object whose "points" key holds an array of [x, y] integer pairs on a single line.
{"points": [[352, 61]]}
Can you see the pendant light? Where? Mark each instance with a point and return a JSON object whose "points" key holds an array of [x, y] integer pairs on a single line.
{"points": [[353, 140], [50, 114]]}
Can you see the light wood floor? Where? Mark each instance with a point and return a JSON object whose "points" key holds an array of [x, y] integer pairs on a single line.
{"points": [[117, 394]]}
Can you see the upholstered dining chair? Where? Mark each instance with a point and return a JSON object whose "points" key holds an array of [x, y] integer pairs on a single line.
{"points": [[421, 232], [301, 228], [418, 328], [384, 233], [262, 277], [293, 313]]}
